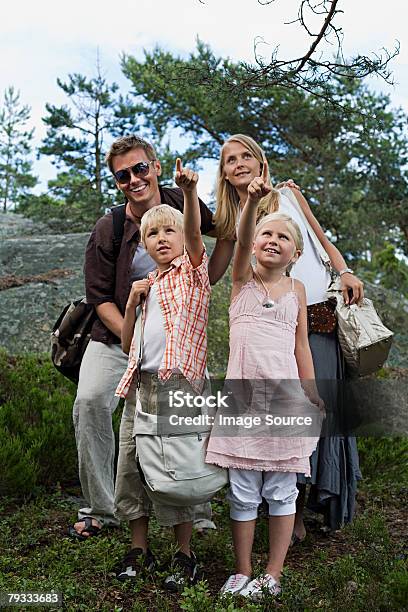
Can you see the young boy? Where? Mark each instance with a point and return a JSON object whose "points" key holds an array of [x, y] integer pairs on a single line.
{"points": [[174, 345]]}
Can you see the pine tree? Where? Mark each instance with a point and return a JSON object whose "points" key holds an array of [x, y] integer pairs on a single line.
{"points": [[75, 142], [349, 157], [16, 178]]}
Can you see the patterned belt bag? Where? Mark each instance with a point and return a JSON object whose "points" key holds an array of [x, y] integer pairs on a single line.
{"points": [[321, 317]]}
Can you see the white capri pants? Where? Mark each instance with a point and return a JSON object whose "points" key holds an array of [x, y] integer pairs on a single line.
{"points": [[247, 487]]}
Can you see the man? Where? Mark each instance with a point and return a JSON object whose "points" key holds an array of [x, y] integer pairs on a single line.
{"points": [[108, 280]]}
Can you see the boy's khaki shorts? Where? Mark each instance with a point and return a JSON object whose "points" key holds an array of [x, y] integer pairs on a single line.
{"points": [[131, 499]]}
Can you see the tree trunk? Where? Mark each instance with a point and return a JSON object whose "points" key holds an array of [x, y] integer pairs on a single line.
{"points": [[98, 180], [7, 188]]}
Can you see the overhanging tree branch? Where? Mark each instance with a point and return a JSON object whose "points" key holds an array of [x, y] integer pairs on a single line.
{"points": [[310, 70], [326, 25]]}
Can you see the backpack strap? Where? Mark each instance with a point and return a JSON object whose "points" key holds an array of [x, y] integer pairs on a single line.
{"points": [[118, 220]]}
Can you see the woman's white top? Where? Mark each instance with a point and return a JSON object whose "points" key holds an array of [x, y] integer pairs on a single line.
{"points": [[154, 335], [309, 268]]}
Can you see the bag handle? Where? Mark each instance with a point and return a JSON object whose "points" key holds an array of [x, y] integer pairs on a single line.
{"points": [[139, 334], [317, 244]]}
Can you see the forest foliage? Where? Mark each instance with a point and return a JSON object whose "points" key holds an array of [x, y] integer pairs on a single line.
{"points": [[346, 147]]}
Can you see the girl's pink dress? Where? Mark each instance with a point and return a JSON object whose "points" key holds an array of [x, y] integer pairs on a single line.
{"points": [[262, 344]]}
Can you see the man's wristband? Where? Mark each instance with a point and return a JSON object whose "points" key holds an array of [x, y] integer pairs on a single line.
{"points": [[346, 270]]}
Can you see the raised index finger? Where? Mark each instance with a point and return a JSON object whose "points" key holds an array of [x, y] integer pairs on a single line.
{"points": [[179, 167], [264, 175]]}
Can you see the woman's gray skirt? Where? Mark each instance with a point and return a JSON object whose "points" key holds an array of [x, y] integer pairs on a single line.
{"points": [[335, 467]]}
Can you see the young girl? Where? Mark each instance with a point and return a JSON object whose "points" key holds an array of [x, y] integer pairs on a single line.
{"points": [[334, 466], [268, 340]]}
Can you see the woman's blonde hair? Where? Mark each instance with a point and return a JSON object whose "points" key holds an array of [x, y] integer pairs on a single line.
{"points": [[293, 229], [160, 215], [226, 214]]}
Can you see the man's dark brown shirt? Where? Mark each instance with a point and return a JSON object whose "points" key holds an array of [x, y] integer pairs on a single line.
{"points": [[107, 280]]}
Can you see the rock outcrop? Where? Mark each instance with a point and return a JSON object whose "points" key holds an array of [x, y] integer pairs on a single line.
{"points": [[40, 272]]}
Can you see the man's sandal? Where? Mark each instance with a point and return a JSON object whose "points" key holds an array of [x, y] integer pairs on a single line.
{"points": [[92, 530]]}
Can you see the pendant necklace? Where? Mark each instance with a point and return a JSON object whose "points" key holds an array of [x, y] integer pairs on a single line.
{"points": [[268, 302]]}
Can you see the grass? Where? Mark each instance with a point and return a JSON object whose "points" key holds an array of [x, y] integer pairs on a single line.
{"points": [[362, 567]]}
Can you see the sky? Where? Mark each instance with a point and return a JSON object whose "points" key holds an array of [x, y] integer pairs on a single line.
{"points": [[46, 40]]}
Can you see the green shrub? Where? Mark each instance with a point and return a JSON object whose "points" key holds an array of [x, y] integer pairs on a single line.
{"points": [[19, 468], [382, 454], [37, 442], [383, 461]]}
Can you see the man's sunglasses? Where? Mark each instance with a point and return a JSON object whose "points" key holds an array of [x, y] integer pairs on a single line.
{"points": [[140, 169]]}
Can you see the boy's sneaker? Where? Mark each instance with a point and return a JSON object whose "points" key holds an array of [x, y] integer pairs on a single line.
{"points": [[136, 563], [234, 584], [184, 572], [259, 587]]}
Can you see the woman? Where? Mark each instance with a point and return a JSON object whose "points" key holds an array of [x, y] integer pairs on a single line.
{"points": [[334, 466]]}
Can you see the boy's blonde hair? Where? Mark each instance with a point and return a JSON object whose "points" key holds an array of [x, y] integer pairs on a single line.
{"points": [[293, 229], [160, 215], [226, 214]]}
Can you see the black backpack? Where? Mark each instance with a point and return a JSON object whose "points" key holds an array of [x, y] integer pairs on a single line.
{"points": [[72, 330]]}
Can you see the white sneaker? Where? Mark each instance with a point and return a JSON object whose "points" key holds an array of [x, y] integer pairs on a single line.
{"points": [[259, 587], [234, 584]]}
